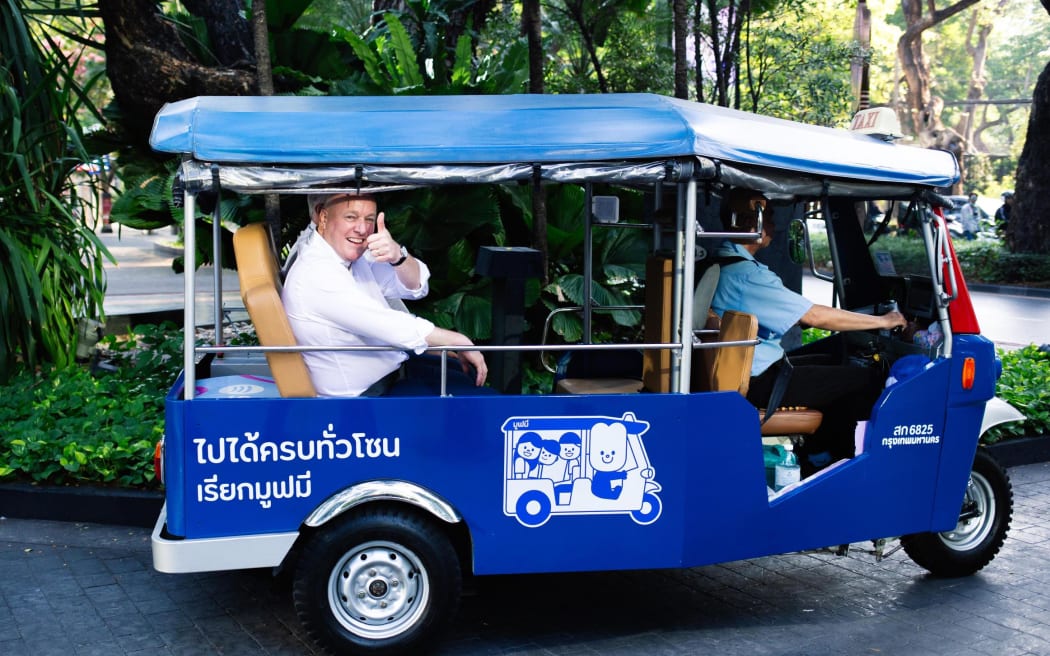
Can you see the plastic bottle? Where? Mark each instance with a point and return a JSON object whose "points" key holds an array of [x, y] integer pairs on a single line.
{"points": [[787, 470]]}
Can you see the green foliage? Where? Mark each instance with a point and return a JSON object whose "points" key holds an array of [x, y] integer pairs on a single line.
{"points": [[446, 228], [990, 262], [535, 379], [65, 426], [637, 57], [810, 335], [397, 64], [50, 261], [145, 203], [794, 67], [631, 43], [390, 60], [618, 258], [1023, 385], [981, 261]]}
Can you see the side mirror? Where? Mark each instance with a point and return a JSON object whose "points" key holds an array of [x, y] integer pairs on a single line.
{"points": [[798, 241]]}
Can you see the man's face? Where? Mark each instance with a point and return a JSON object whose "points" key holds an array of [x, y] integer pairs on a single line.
{"points": [[345, 223], [973, 199]]}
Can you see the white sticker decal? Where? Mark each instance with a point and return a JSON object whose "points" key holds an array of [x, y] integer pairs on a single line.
{"points": [[912, 435], [578, 466]]}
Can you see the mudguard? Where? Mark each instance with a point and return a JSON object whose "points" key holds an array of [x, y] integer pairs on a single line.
{"points": [[998, 411]]}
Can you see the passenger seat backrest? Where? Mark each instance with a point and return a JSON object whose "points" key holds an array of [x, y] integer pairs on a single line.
{"points": [[260, 283], [731, 365], [656, 364], [704, 294]]}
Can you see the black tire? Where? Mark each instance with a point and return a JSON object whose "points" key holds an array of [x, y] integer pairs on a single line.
{"points": [[981, 531], [379, 582]]}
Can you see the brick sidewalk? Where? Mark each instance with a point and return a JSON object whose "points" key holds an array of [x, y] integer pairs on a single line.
{"points": [[70, 588]]}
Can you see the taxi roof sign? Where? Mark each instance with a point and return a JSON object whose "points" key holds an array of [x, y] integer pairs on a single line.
{"points": [[881, 122]]}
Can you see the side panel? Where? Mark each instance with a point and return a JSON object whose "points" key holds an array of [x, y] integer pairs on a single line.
{"points": [[568, 483], [965, 414]]}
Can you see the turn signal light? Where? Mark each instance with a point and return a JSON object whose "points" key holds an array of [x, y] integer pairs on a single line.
{"points": [[158, 461], [968, 373]]}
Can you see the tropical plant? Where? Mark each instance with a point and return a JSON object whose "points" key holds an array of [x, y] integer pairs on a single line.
{"points": [[397, 64], [608, 46], [617, 265], [70, 425], [1021, 368], [50, 259]]}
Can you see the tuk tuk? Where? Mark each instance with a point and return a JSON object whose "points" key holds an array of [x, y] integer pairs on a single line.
{"points": [[379, 506]]}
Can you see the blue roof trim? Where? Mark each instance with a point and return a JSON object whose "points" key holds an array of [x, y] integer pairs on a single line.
{"points": [[434, 130]]}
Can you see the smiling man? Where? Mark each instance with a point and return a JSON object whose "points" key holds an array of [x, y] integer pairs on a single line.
{"points": [[335, 296]]}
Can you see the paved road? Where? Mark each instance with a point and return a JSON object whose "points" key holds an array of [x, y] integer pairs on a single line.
{"points": [[1006, 317], [69, 588]]}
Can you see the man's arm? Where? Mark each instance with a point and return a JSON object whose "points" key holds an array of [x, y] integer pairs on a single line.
{"points": [[829, 318], [384, 248], [443, 337]]}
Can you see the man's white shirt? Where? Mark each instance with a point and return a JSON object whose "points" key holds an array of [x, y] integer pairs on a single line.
{"points": [[330, 303]]}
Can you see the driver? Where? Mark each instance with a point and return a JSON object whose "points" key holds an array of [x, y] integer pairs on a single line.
{"points": [[845, 394]]}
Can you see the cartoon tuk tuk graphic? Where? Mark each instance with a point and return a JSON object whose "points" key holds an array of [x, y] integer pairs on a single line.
{"points": [[578, 466]]}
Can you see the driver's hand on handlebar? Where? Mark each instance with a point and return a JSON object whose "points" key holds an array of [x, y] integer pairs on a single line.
{"points": [[893, 319]]}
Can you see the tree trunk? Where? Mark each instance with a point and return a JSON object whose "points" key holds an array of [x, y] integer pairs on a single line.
{"points": [[698, 53], [718, 93], [922, 111], [1029, 228], [532, 26], [576, 10], [264, 76], [725, 48], [681, 66], [981, 27], [859, 65], [147, 65], [230, 41]]}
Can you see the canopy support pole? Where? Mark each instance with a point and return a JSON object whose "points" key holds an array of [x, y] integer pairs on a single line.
{"points": [[685, 318], [189, 321]]}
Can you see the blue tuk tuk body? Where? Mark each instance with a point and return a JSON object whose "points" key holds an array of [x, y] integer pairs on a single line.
{"points": [[243, 466], [553, 482]]}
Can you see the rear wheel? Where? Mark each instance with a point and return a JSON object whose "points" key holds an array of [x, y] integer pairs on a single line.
{"points": [[380, 582], [981, 531]]}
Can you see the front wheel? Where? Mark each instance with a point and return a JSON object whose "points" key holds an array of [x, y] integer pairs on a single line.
{"points": [[981, 531], [380, 582]]}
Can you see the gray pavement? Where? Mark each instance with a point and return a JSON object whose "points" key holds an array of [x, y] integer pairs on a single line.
{"points": [[70, 588], [142, 282]]}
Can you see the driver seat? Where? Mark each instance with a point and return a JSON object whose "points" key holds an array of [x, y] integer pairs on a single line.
{"points": [[729, 369]]}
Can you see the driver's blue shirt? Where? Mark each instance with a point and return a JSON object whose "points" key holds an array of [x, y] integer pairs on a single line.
{"points": [[749, 286]]}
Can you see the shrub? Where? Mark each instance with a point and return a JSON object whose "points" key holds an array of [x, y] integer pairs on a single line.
{"points": [[1023, 385], [981, 261], [70, 425]]}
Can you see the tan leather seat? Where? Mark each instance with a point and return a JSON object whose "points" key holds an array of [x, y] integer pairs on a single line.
{"points": [[730, 369], [598, 386], [260, 282], [656, 364]]}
